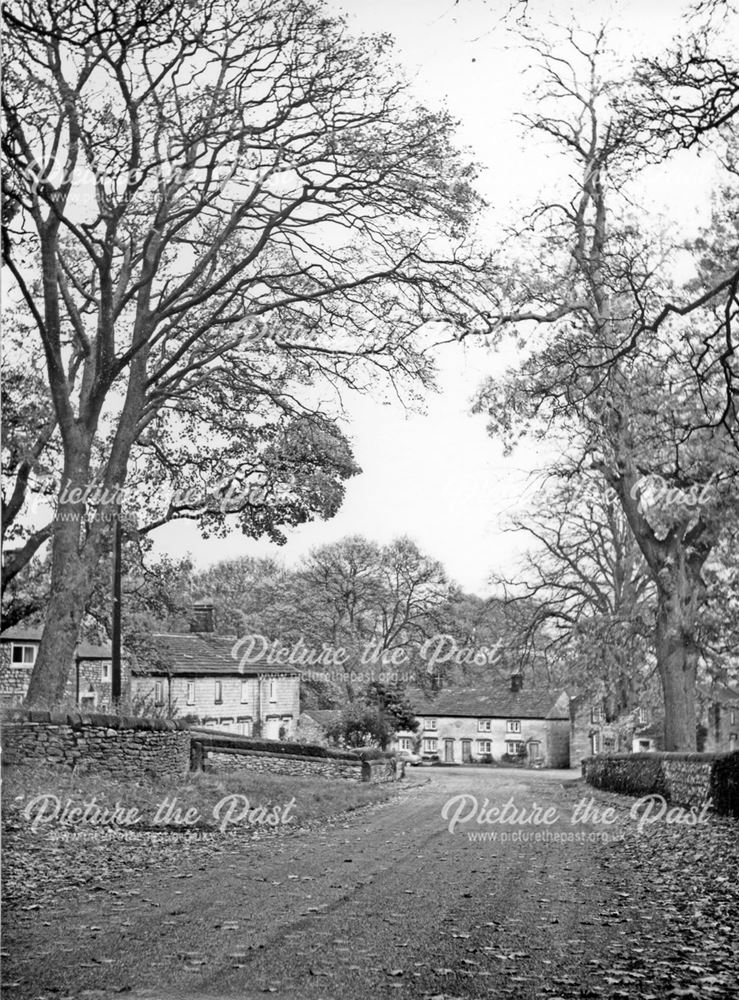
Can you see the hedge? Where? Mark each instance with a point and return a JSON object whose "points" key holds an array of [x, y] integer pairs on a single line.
{"points": [[725, 785], [216, 739], [636, 774], [644, 774]]}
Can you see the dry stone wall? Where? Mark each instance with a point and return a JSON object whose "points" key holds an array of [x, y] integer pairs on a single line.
{"points": [[116, 745], [687, 779], [133, 747]]}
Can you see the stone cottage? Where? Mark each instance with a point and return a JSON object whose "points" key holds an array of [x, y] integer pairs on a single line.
{"points": [[90, 676], [718, 712], [200, 676], [312, 724], [490, 724], [593, 730]]}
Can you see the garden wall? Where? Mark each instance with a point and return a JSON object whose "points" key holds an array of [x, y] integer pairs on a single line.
{"points": [[133, 747], [687, 779], [210, 750], [116, 745]]}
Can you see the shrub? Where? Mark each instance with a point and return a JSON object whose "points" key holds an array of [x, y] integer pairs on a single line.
{"points": [[297, 749], [725, 784], [636, 774]]}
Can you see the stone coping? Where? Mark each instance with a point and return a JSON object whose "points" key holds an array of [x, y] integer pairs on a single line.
{"points": [[666, 755], [80, 720], [213, 740], [246, 751]]}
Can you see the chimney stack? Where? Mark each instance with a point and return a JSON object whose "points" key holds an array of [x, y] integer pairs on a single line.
{"points": [[203, 617], [516, 682]]}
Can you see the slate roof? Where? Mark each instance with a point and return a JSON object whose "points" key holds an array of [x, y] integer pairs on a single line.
{"points": [[323, 716], [719, 693], [204, 653], [491, 701], [652, 731], [33, 633]]}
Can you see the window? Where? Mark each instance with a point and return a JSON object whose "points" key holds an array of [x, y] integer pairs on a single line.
{"points": [[273, 690], [513, 726], [158, 692], [596, 713], [609, 744], [643, 716], [733, 717], [243, 726], [484, 746], [513, 747], [430, 745], [218, 693], [88, 700], [429, 724], [644, 745], [226, 723], [190, 696], [24, 656], [484, 725], [244, 692], [404, 743]]}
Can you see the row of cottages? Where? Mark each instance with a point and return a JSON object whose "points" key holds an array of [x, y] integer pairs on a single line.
{"points": [[594, 730], [89, 684], [498, 722], [641, 730], [199, 676], [200, 680], [195, 675]]}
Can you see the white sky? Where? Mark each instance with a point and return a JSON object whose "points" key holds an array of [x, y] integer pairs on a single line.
{"points": [[437, 476]]}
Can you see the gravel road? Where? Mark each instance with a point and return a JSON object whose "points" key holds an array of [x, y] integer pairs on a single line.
{"points": [[387, 903]]}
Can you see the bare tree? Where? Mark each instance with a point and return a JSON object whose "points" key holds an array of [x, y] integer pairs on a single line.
{"points": [[689, 99], [582, 603], [211, 211], [624, 391], [383, 602]]}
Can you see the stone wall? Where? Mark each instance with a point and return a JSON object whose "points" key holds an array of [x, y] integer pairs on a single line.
{"points": [[131, 747], [116, 745], [261, 760], [557, 745], [88, 681], [686, 779], [310, 731], [211, 751]]}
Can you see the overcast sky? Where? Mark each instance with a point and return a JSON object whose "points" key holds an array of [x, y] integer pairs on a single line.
{"points": [[437, 476]]}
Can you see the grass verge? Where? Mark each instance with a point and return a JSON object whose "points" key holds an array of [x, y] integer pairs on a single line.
{"points": [[54, 799]]}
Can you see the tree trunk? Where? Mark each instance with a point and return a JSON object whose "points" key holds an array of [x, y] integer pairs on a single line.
{"points": [[678, 597], [64, 611], [76, 546], [67, 597]]}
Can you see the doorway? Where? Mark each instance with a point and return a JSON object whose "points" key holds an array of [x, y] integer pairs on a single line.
{"points": [[466, 751], [448, 751]]}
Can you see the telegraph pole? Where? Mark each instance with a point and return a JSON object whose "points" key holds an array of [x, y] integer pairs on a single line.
{"points": [[115, 691]]}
